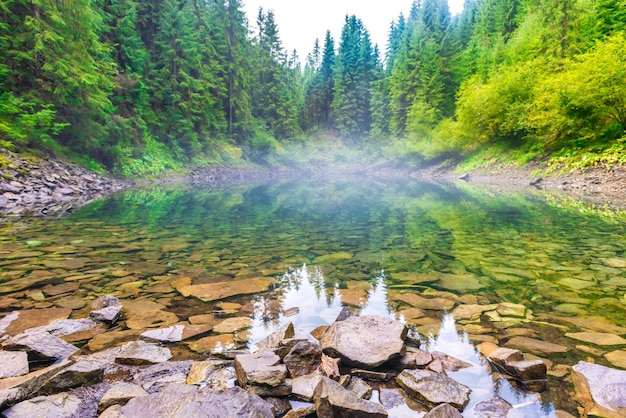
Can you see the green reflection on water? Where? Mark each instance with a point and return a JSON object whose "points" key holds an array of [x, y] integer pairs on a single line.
{"points": [[369, 243]]}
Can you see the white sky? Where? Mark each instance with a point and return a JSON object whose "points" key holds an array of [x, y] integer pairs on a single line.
{"points": [[301, 21]]}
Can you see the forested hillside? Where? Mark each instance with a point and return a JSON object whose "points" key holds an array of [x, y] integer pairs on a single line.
{"points": [[141, 87]]}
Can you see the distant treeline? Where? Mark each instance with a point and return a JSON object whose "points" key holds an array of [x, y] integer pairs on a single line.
{"points": [[143, 86]]}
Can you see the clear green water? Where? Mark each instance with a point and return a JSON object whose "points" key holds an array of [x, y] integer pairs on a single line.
{"points": [[360, 243]]}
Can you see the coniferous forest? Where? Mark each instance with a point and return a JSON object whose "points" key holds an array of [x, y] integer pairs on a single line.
{"points": [[139, 87]]}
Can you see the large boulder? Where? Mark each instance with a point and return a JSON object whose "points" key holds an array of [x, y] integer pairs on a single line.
{"points": [[179, 400], [600, 390], [332, 400], [365, 341], [433, 388]]}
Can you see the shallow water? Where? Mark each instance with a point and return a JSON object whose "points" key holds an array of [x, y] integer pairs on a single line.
{"points": [[359, 243]]}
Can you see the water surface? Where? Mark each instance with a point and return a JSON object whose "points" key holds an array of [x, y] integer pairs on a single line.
{"points": [[360, 243]]}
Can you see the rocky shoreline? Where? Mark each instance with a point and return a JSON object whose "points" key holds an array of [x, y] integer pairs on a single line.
{"points": [[333, 373], [35, 187]]}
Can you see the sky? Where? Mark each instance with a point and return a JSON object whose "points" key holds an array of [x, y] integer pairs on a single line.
{"points": [[301, 21]]}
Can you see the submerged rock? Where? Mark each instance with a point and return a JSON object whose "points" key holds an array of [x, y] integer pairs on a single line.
{"points": [[433, 388], [222, 290], [366, 341], [492, 408]]}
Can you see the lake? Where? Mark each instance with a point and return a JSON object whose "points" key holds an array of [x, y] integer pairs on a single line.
{"points": [[504, 267]]}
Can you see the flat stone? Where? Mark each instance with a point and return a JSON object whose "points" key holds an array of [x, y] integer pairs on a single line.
{"points": [[366, 341], [18, 321], [140, 353], [411, 313], [433, 388], [535, 346], [151, 319], [41, 345], [460, 283], [64, 327], [60, 289], [16, 389], [272, 341], [595, 323], [597, 338], [119, 394], [410, 277], [445, 410], [179, 400], [492, 408], [600, 390], [62, 405], [222, 290], [614, 262], [79, 374], [303, 387], [177, 333], [332, 400], [34, 279], [437, 304], [261, 368], [111, 338], [153, 378], [334, 258], [372, 375], [13, 363], [511, 309], [617, 358], [230, 325], [213, 344], [471, 312]]}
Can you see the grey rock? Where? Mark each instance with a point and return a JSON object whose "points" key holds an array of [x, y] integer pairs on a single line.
{"points": [[41, 345], [261, 368], [105, 302], [82, 373], [13, 363], [185, 401], [285, 346], [280, 406], [600, 390], [366, 341], [153, 378], [140, 353], [332, 400], [110, 314], [445, 410], [63, 327], [17, 389], [119, 394], [492, 408], [304, 358], [303, 387], [392, 398], [62, 405], [433, 388]]}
